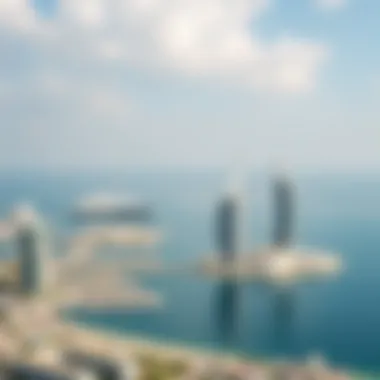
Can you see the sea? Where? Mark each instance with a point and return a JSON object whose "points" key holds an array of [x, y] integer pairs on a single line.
{"points": [[337, 317]]}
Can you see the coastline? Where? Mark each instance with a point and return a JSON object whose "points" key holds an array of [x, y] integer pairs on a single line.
{"points": [[137, 342], [127, 344]]}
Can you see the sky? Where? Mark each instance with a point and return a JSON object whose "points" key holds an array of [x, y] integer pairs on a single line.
{"points": [[100, 84]]}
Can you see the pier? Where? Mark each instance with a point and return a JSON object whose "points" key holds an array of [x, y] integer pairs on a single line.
{"points": [[274, 266]]}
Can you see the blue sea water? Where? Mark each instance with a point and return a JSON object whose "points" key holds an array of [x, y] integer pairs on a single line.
{"points": [[337, 317]]}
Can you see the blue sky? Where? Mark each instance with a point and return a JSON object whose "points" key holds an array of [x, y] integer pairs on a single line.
{"points": [[190, 83]]}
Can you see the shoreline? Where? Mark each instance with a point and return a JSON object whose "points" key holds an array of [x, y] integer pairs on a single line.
{"points": [[140, 342], [129, 344]]}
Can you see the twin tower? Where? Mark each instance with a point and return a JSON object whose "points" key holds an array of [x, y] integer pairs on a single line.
{"points": [[228, 214]]}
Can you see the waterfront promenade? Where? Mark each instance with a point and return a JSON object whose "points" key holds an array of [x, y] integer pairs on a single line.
{"points": [[69, 337]]}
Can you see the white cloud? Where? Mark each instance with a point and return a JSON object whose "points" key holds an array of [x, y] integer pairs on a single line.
{"points": [[17, 14], [110, 103], [195, 38], [86, 13], [330, 5], [94, 99], [72, 77], [53, 83]]}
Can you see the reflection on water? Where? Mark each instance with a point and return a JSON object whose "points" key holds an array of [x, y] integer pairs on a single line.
{"points": [[226, 300], [284, 308]]}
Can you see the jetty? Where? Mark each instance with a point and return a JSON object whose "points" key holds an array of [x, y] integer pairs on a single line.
{"points": [[274, 265]]}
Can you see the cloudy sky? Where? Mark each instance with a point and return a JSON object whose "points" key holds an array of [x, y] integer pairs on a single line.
{"points": [[190, 83]]}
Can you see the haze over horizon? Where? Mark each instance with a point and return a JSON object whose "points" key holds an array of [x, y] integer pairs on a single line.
{"points": [[189, 84]]}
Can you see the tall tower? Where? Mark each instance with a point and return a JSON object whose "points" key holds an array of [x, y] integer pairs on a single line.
{"points": [[283, 211], [31, 250], [227, 227]]}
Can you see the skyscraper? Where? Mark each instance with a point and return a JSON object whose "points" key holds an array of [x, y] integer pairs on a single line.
{"points": [[31, 251], [227, 229], [283, 212]]}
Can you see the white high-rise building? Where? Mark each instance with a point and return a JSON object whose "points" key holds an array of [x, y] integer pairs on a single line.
{"points": [[32, 250]]}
